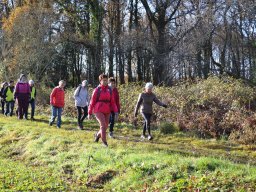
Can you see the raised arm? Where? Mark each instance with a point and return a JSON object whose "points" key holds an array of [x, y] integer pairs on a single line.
{"points": [[158, 102]]}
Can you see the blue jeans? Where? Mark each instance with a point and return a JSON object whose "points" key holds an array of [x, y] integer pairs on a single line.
{"points": [[33, 106], [56, 111], [9, 105]]}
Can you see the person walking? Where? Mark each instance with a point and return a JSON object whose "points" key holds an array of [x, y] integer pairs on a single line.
{"points": [[57, 102], [101, 104], [9, 99], [113, 117], [22, 94], [82, 101], [32, 98], [4, 85], [145, 101]]}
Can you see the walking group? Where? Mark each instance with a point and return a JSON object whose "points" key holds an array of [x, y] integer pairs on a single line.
{"points": [[104, 103], [22, 94]]}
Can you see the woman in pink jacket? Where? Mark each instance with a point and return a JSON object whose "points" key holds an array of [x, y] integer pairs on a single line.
{"points": [[101, 105]]}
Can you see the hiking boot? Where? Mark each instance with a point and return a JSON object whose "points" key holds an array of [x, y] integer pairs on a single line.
{"points": [[150, 137], [96, 138], [105, 144], [111, 134]]}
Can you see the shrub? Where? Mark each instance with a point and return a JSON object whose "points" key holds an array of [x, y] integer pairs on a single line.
{"points": [[168, 128], [215, 107]]}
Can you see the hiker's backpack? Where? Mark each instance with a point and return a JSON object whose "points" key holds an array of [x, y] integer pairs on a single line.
{"points": [[77, 94], [99, 91]]}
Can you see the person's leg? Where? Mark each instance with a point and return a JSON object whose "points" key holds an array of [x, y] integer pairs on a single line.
{"points": [[85, 114], [102, 121], [20, 116], [79, 114], [147, 118], [7, 108], [148, 123], [54, 115], [25, 106], [33, 106], [59, 111], [2, 103], [144, 124], [111, 122], [104, 130], [12, 107]]}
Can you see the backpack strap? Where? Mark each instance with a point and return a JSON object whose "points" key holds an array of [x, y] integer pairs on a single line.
{"points": [[80, 87]]}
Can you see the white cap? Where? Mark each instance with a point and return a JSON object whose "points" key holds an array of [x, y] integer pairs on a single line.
{"points": [[31, 82], [149, 85]]}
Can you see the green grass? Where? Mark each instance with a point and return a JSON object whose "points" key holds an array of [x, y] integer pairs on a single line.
{"points": [[36, 157]]}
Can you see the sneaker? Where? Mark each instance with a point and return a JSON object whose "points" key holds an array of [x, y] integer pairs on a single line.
{"points": [[96, 138], [58, 127], [80, 127], [50, 123], [105, 144], [32, 119], [111, 134], [142, 137], [150, 137]]}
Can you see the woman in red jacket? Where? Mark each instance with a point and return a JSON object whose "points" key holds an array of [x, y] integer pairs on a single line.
{"points": [[57, 102], [113, 116], [102, 103]]}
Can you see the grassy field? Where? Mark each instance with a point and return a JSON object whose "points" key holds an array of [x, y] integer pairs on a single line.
{"points": [[36, 157]]}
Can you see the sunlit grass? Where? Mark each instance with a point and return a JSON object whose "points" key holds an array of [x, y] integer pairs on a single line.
{"points": [[44, 158]]}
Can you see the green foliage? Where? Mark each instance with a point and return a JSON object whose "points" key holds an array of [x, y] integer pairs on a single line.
{"points": [[215, 107], [168, 128], [212, 108]]}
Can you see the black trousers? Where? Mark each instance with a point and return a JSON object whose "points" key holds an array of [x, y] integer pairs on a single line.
{"points": [[82, 113], [3, 104], [111, 121], [147, 119]]}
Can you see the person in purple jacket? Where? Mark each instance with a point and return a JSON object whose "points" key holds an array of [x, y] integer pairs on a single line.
{"points": [[22, 94]]}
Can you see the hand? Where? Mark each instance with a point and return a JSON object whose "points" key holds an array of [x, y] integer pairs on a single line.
{"points": [[89, 116], [165, 106]]}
